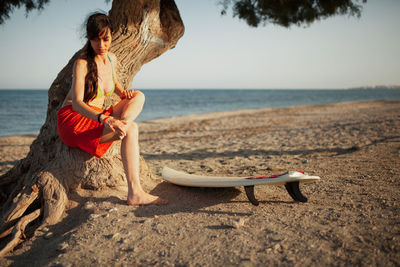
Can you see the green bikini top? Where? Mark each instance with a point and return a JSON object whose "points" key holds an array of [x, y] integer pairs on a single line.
{"points": [[101, 92]]}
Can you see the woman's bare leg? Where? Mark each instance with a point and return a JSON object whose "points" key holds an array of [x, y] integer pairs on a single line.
{"points": [[130, 159], [128, 110]]}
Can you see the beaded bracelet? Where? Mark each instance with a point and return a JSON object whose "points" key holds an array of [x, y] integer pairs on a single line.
{"points": [[98, 117]]}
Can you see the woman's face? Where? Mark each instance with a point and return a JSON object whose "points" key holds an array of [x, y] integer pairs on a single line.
{"points": [[102, 43]]}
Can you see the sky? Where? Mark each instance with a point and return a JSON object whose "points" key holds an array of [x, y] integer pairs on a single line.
{"points": [[217, 52]]}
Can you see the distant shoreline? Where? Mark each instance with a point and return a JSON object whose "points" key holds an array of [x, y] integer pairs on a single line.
{"points": [[387, 87]]}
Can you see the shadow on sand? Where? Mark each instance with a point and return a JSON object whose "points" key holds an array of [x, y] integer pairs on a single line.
{"points": [[188, 199], [43, 250]]}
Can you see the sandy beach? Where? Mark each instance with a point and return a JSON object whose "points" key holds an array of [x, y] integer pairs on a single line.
{"points": [[352, 216]]}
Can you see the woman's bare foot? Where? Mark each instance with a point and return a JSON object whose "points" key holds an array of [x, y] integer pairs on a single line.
{"points": [[145, 199]]}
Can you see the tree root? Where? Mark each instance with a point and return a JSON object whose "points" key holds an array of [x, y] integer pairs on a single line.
{"points": [[18, 208], [54, 200], [54, 195], [6, 232], [18, 232]]}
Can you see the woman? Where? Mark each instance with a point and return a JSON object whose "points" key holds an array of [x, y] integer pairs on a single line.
{"points": [[83, 123]]}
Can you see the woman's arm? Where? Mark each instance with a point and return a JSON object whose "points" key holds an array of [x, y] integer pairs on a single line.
{"points": [[78, 91], [119, 89]]}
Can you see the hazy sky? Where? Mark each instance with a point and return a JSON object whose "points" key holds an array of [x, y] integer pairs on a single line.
{"points": [[217, 51]]}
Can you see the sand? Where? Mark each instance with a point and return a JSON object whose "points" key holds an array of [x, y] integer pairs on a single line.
{"points": [[352, 216]]}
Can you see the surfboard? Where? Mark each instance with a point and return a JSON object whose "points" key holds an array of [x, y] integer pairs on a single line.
{"points": [[290, 179]]}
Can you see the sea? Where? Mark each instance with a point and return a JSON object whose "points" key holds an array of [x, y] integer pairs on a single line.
{"points": [[23, 112]]}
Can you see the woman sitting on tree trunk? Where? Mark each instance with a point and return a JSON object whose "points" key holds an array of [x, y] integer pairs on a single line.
{"points": [[83, 123]]}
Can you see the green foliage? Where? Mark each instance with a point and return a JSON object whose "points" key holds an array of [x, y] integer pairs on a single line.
{"points": [[7, 7], [289, 12], [254, 12]]}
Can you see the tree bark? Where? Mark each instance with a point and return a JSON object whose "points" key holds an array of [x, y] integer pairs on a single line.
{"points": [[143, 30]]}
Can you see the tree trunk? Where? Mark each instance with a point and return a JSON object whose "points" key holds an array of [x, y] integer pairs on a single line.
{"points": [[143, 30]]}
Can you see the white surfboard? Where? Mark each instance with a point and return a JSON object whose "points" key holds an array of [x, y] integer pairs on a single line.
{"points": [[290, 179], [186, 179]]}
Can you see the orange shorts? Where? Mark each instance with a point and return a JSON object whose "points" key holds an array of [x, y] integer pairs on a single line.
{"points": [[76, 130]]}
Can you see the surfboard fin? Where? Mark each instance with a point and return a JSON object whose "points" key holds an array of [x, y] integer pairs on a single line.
{"points": [[250, 195], [294, 191]]}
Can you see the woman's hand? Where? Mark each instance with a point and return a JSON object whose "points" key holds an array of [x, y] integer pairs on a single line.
{"points": [[117, 126], [128, 94]]}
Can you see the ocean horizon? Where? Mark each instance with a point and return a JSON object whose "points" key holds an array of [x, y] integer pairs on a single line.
{"points": [[23, 111], [377, 87]]}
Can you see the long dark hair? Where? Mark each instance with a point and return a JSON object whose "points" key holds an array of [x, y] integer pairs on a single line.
{"points": [[96, 24]]}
